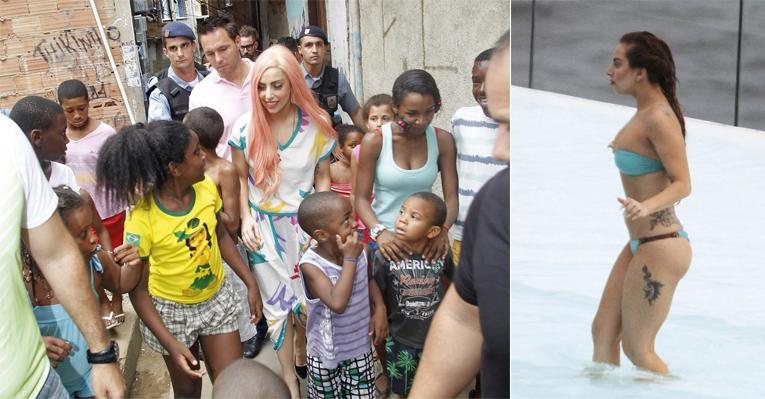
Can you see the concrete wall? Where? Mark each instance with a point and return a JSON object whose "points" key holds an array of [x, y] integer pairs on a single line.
{"points": [[274, 19], [441, 36]]}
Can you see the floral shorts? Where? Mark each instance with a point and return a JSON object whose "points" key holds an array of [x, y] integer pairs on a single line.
{"points": [[403, 361]]}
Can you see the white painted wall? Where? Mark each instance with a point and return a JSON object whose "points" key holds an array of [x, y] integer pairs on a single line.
{"points": [[441, 36]]}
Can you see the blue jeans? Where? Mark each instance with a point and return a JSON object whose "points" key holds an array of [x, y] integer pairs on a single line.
{"points": [[53, 388]]}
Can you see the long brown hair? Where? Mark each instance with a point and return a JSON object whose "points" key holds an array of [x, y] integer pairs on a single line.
{"points": [[648, 51]]}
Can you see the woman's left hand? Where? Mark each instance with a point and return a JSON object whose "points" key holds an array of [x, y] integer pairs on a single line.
{"points": [[633, 209], [256, 304], [437, 248]]}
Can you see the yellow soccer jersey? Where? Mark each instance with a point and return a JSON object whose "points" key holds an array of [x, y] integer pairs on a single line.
{"points": [[182, 247]]}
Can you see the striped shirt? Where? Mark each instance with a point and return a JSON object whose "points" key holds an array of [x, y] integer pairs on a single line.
{"points": [[334, 337], [474, 134]]}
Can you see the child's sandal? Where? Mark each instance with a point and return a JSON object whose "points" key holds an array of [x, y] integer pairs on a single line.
{"points": [[119, 319], [110, 321]]}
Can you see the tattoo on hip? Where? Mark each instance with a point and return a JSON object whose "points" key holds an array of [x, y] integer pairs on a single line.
{"points": [[665, 217]]}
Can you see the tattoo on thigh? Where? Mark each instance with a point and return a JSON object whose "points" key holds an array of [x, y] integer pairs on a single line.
{"points": [[652, 288], [664, 217]]}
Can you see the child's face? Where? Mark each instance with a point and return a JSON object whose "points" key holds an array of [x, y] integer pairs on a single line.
{"points": [[193, 166], [76, 111], [352, 139], [80, 224], [414, 221], [479, 74], [378, 116], [341, 221], [51, 142]]}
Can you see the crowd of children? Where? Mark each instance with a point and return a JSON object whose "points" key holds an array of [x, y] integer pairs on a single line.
{"points": [[370, 291]]}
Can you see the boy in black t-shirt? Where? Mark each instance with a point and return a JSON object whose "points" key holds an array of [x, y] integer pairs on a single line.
{"points": [[413, 287]]}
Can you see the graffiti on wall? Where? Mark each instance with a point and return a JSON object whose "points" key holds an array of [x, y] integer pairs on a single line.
{"points": [[96, 91], [81, 52], [71, 44]]}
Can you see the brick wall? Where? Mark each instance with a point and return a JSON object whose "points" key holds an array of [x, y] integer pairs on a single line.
{"points": [[44, 42]]}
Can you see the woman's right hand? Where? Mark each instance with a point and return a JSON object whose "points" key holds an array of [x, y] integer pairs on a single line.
{"points": [[391, 247], [251, 234], [183, 358], [57, 350]]}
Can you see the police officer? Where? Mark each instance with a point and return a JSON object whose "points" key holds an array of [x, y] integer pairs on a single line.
{"points": [[169, 90], [329, 86]]}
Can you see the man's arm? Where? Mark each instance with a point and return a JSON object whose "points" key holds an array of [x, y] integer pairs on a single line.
{"points": [[61, 263], [445, 372], [348, 101], [159, 108]]}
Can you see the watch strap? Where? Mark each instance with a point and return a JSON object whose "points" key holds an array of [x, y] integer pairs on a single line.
{"points": [[109, 355]]}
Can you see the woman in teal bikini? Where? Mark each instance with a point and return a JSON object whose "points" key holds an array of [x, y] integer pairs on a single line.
{"points": [[650, 155]]}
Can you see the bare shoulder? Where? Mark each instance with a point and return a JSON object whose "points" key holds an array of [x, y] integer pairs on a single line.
{"points": [[444, 137], [372, 140], [226, 172], [227, 169], [659, 120]]}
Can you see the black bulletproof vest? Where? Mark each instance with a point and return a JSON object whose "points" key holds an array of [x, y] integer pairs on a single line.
{"points": [[177, 97], [326, 93]]}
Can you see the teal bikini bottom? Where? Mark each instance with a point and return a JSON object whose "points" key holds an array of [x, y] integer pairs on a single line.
{"points": [[634, 244]]}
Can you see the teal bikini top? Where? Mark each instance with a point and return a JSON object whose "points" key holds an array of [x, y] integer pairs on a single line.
{"points": [[633, 164]]}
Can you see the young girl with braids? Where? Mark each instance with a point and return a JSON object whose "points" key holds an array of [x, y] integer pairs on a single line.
{"points": [[650, 154], [281, 151], [182, 299], [64, 343]]}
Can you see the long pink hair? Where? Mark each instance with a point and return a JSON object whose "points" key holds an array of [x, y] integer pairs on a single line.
{"points": [[262, 145]]}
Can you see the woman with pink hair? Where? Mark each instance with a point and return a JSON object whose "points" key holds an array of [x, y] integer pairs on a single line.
{"points": [[281, 150]]}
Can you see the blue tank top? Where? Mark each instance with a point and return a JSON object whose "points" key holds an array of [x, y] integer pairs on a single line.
{"points": [[393, 184]]}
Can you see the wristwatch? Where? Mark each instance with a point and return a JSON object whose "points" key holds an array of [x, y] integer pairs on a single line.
{"points": [[376, 231], [108, 355]]}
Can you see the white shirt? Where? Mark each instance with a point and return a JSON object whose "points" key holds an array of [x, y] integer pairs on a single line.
{"points": [[26, 201], [62, 174]]}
